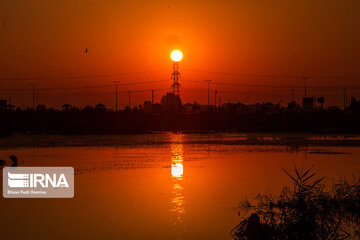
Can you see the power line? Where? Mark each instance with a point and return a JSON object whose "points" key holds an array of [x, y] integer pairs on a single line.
{"points": [[271, 75], [285, 88], [83, 87], [189, 70], [244, 74], [81, 76], [107, 93], [231, 91], [282, 91], [274, 86]]}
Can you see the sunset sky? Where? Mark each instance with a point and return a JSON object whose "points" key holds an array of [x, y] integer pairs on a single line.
{"points": [[233, 43]]}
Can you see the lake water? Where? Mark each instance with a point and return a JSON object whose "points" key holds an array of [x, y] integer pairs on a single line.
{"points": [[158, 186]]}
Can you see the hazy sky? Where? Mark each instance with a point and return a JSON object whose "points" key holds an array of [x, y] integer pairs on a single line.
{"points": [[47, 39]]}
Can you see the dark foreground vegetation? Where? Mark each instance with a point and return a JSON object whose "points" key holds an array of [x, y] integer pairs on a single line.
{"points": [[308, 211], [265, 117]]}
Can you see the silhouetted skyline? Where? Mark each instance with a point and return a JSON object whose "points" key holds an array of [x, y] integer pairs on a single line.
{"points": [[236, 44]]}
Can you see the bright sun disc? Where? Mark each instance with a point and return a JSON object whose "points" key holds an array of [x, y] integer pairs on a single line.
{"points": [[176, 55]]}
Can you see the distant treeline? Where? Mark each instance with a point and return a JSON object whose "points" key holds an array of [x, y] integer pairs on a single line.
{"points": [[159, 117]]}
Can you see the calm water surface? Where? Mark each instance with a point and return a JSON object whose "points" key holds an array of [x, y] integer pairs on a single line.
{"points": [[166, 186]]}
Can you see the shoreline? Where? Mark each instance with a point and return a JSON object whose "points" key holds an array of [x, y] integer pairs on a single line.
{"points": [[163, 138]]}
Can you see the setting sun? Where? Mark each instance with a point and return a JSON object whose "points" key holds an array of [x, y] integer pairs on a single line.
{"points": [[176, 55]]}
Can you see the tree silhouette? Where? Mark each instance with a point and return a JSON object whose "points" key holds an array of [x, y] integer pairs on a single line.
{"points": [[66, 107], [171, 101], [321, 100]]}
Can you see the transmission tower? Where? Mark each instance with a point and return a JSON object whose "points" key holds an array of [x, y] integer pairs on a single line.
{"points": [[175, 76]]}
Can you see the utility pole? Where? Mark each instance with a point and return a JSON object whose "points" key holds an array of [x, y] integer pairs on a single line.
{"points": [[345, 103], [33, 93], [208, 81], [116, 101], [152, 97], [129, 99], [293, 94], [215, 97], [305, 79], [37, 98]]}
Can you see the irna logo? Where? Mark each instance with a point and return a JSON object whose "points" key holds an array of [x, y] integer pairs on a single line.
{"points": [[38, 182], [20, 180]]}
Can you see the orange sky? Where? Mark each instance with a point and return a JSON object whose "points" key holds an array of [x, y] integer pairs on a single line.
{"points": [[47, 39]]}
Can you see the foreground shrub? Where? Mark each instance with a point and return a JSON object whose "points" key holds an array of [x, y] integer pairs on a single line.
{"points": [[306, 211]]}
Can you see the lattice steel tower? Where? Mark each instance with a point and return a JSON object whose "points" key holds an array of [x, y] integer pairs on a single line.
{"points": [[176, 56], [175, 76]]}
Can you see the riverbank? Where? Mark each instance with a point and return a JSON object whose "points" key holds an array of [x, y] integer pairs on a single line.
{"points": [[19, 140], [107, 122]]}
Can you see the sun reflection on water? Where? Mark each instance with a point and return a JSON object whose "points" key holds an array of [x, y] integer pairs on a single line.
{"points": [[177, 172]]}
